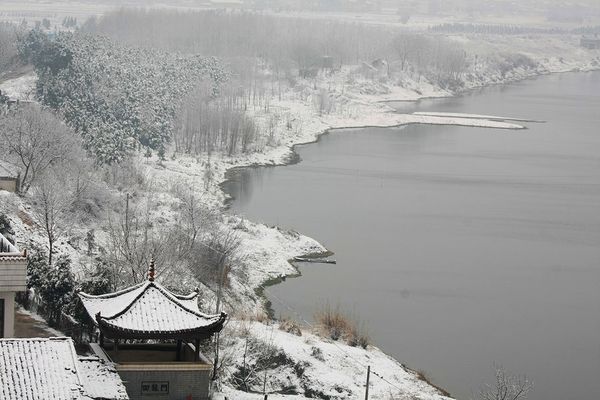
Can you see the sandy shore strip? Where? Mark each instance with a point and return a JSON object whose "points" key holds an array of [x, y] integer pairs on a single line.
{"points": [[474, 116]]}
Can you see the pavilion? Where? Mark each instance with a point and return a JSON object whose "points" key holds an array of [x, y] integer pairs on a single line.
{"points": [[153, 338]]}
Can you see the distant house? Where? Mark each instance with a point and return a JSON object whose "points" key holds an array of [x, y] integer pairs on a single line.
{"points": [[13, 275], [327, 62], [591, 42], [49, 368], [9, 178]]}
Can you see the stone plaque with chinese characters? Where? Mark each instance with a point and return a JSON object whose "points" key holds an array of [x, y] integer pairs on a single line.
{"points": [[150, 388]]}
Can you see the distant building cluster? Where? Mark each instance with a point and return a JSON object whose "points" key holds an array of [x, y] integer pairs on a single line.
{"points": [[591, 42]]}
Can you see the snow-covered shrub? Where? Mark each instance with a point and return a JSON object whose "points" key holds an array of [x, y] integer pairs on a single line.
{"points": [[290, 326], [97, 281], [317, 353], [264, 364], [333, 321], [55, 285], [338, 324], [5, 228]]}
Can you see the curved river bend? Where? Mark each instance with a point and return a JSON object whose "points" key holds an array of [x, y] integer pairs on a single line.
{"points": [[458, 246]]}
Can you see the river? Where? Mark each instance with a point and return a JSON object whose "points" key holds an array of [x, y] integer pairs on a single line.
{"points": [[457, 246]]}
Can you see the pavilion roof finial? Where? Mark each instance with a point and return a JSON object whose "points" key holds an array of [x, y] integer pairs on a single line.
{"points": [[151, 270]]}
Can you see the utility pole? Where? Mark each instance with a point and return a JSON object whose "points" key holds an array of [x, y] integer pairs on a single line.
{"points": [[218, 310], [367, 388]]}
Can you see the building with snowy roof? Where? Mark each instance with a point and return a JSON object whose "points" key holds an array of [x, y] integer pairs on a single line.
{"points": [[169, 364], [9, 178], [35, 369], [13, 276]]}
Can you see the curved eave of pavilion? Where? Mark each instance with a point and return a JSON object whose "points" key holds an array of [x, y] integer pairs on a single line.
{"points": [[111, 295], [190, 296], [113, 331], [119, 307]]}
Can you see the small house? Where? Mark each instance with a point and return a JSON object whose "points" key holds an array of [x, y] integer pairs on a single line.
{"points": [[49, 368], [152, 336], [327, 62], [13, 276], [9, 178], [591, 42]]}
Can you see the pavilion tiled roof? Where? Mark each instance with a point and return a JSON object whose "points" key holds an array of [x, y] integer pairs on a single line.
{"points": [[150, 311], [35, 368]]}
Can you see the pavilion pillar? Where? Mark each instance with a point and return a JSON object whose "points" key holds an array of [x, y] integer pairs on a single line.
{"points": [[179, 344], [197, 350], [101, 340]]}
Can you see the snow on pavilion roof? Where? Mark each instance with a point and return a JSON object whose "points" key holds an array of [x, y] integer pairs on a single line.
{"points": [[34, 368], [150, 311]]}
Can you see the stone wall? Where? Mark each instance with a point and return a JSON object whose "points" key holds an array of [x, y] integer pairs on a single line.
{"points": [[8, 184], [181, 381]]}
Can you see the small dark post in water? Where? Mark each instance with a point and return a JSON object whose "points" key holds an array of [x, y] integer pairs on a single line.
{"points": [[368, 376]]}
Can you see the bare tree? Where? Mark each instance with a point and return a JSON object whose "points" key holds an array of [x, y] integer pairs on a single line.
{"points": [[133, 241], [34, 139], [506, 387], [50, 205]]}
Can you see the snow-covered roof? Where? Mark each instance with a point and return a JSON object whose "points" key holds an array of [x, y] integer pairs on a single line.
{"points": [[149, 311], [100, 379], [7, 170], [48, 368]]}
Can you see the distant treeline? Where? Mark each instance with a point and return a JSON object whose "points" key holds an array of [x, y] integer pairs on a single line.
{"points": [[587, 30], [9, 56], [288, 46], [231, 34], [508, 29]]}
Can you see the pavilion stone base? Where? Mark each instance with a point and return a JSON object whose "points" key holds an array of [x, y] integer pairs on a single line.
{"points": [[151, 372], [166, 382]]}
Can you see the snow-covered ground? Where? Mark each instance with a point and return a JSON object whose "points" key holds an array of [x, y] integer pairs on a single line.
{"points": [[316, 367], [21, 88], [353, 102]]}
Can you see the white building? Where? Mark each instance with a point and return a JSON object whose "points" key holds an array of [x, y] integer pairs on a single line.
{"points": [[9, 178], [13, 275]]}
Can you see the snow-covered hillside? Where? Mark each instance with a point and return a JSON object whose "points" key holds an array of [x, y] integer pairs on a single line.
{"points": [[311, 365]]}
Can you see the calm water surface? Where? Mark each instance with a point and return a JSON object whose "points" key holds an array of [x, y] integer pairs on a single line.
{"points": [[459, 246]]}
